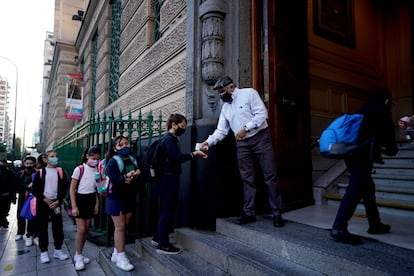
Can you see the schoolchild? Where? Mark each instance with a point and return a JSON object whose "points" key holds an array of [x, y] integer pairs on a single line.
{"points": [[49, 187], [170, 182], [24, 188], [84, 199], [121, 194]]}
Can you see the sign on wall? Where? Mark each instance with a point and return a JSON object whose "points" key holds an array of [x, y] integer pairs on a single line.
{"points": [[74, 96]]}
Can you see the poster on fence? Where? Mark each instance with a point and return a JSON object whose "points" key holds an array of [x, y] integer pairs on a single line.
{"points": [[74, 96]]}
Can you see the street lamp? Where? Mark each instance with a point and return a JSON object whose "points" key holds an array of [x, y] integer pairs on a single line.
{"points": [[15, 109]]}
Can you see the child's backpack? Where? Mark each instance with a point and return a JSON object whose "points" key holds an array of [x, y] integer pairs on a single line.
{"points": [[59, 169], [340, 138], [106, 185], [153, 161]]}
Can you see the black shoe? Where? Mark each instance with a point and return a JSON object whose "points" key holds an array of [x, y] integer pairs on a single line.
{"points": [[379, 229], [170, 249], [245, 219], [278, 221], [345, 237]]}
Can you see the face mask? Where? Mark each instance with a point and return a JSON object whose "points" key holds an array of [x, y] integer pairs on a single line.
{"points": [[124, 151], [29, 167], [226, 97], [93, 162], [179, 131], [53, 161]]}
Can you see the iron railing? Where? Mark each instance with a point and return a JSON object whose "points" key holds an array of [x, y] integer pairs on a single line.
{"points": [[99, 131]]}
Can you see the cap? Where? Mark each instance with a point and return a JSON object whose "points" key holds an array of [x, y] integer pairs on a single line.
{"points": [[222, 82]]}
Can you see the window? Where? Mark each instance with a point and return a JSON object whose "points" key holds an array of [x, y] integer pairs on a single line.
{"points": [[157, 19], [114, 58]]}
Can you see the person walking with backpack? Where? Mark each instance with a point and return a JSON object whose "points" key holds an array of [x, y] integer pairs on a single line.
{"points": [[170, 182], [84, 199], [49, 187], [377, 126], [122, 169], [24, 188]]}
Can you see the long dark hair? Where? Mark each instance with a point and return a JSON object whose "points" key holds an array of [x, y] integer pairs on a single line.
{"points": [[175, 118]]}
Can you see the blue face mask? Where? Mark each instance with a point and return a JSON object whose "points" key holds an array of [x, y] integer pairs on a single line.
{"points": [[53, 161], [124, 151]]}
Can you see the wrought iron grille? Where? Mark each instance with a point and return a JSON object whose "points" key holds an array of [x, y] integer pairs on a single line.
{"points": [[114, 59]]}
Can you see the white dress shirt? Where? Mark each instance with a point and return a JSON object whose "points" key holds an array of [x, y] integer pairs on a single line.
{"points": [[246, 110]]}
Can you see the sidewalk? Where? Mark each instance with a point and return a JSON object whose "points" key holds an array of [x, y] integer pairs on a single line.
{"points": [[17, 259]]}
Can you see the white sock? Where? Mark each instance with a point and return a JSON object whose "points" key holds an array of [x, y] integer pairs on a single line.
{"points": [[121, 255], [115, 251]]}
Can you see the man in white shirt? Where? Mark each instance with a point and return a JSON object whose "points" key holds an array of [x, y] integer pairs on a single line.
{"points": [[246, 115]]}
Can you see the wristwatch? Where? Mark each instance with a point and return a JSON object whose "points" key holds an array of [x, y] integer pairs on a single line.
{"points": [[246, 129]]}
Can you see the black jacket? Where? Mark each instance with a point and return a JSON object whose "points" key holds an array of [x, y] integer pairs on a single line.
{"points": [[39, 186], [378, 126]]}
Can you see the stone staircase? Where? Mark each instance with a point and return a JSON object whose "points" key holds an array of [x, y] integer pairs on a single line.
{"points": [[261, 249], [394, 182]]}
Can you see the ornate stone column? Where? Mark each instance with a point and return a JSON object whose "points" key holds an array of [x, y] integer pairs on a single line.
{"points": [[212, 14]]}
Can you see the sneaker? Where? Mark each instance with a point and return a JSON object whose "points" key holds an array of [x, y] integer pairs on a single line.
{"points": [[379, 229], [29, 241], [18, 237], [170, 249], [58, 254], [124, 264], [114, 257], [86, 260], [79, 264], [36, 241], [44, 257], [154, 242]]}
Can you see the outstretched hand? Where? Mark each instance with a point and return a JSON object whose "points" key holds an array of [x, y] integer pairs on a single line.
{"points": [[200, 153]]}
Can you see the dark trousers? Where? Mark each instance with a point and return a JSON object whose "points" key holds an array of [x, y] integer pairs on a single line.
{"points": [[21, 222], [169, 188], [258, 149], [4, 209], [361, 186], [43, 213]]}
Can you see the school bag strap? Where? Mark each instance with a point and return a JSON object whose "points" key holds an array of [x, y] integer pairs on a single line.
{"points": [[59, 169], [120, 163]]}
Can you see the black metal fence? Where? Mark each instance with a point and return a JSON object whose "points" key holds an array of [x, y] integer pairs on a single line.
{"points": [[99, 131]]}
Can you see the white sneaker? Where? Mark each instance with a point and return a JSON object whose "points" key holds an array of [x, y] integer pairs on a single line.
{"points": [[86, 260], [114, 257], [44, 257], [124, 264], [36, 241], [79, 264], [58, 254], [18, 237], [29, 241]]}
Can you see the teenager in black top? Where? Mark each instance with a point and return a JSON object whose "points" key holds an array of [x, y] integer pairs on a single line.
{"points": [[170, 182]]}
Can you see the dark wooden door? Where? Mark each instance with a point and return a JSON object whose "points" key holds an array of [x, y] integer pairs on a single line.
{"points": [[281, 74]]}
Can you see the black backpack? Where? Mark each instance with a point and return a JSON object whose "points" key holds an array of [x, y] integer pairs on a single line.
{"points": [[153, 161]]}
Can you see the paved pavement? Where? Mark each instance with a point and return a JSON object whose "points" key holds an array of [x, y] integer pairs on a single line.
{"points": [[18, 259]]}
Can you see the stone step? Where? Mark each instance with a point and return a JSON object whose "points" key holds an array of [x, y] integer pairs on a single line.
{"points": [[185, 263], [397, 172], [140, 267], [388, 186], [397, 163], [236, 258], [304, 245]]}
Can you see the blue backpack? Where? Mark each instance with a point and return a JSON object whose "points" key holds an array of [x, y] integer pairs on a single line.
{"points": [[340, 138]]}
